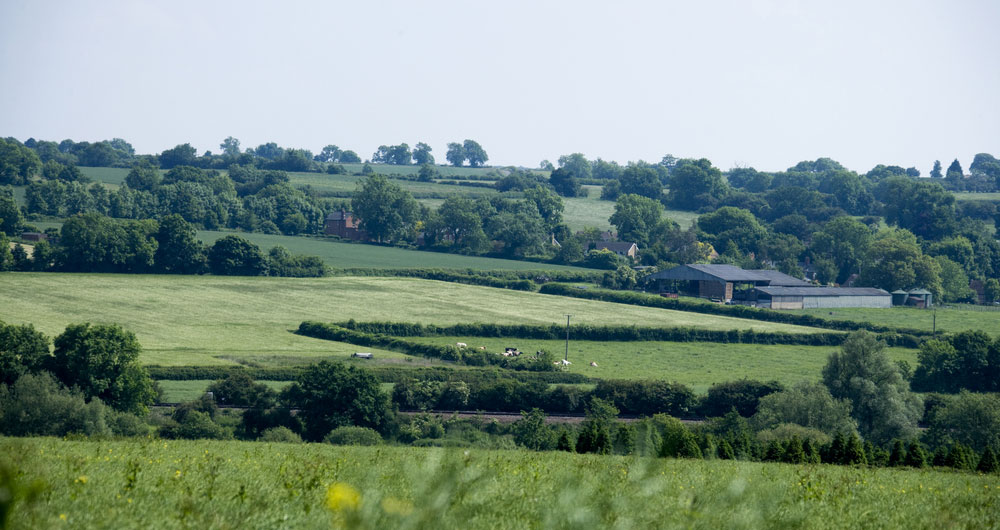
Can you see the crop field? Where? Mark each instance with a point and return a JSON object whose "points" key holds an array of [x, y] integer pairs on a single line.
{"points": [[962, 196], [205, 320], [696, 364], [343, 255], [207, 484], [950, 318]]}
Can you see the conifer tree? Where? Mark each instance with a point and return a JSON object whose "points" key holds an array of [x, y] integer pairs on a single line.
{"points": [[988, 463], [725, 450], [916, 456], [898, 455]]}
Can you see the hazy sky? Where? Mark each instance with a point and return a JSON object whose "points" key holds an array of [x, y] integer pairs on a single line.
{"points": [[759, 83]]}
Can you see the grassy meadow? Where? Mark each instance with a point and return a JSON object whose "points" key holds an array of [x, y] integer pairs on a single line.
{"points": [[205, 320], [696, 364], [343, 255], [967, 196], [208, 484], [949, 319]]}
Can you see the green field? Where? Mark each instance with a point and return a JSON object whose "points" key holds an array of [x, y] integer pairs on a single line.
{"points": [[342, 255], [204, 320], [962, 196], [191, 389], [107, 175], [208, 484], [951, 318], [696, 364]]}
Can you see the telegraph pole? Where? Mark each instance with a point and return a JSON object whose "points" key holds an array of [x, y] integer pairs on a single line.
{"points": [[566, 356]]}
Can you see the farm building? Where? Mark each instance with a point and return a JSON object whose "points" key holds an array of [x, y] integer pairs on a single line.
{"points": [[817, 297], [762, 288], [722, 282]]}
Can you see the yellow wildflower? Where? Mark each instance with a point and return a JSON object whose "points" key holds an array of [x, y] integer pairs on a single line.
{"points": [[62, 517], [341, 496], [82, 479], [396, 506]]}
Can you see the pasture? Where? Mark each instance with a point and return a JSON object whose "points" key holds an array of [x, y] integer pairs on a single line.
{"points": [[966, 196], [206, 320], [951, 318], [343, 255], [209, 484], [695, 364]]}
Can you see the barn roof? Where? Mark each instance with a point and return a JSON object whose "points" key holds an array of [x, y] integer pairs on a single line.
{"points": [[780, 279], [822, 291], [727, 273]]}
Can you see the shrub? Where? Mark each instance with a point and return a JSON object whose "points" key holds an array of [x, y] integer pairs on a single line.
{"points": [[280, 435], [195, 425], [39, 405], [353, 436], [125, 424], [743, 395]]}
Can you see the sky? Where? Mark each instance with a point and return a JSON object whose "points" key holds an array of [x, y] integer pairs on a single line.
{"points": [[761, 83]]}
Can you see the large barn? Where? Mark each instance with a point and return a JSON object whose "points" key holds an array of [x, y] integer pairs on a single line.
{"points": [[762, 288], [814, 297], [721, 282]]}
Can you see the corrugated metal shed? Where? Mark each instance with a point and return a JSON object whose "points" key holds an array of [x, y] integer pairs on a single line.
{"points": [[778, 278], [822, 291], [698, 272]]}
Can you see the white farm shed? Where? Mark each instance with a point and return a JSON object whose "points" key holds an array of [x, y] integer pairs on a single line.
{"points": [[821, 297]]}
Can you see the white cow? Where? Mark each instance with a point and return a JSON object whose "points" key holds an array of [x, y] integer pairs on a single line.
{"points": [[564, 362], [592, 363], [461, 345]]}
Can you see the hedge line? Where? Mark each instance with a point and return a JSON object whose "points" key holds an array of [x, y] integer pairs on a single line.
{"points": [[614, 333], [447, 352], [737, 311], [490, 278], [385, 374]]}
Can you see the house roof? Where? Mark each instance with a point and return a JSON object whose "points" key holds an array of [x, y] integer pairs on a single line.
{"points": [[919, 291], [339, 215], [822, 291], [614, 246]]}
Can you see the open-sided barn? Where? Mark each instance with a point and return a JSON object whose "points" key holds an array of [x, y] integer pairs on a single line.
{"points": [[763, 288]]}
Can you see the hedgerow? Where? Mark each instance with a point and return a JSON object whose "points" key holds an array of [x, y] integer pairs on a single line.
{"points": [[736, 311]]}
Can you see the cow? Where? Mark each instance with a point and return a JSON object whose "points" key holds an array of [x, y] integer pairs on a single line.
{"points": [[592, 363], [461, 345], [482, 348]]}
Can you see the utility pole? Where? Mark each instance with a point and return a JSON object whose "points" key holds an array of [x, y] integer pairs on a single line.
{"points": [[934, 329], [566, 356]]}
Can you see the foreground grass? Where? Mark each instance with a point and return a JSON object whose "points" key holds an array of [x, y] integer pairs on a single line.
{"points": [[696, 364], [205, 320], [951, 318], [202, 484], [342, 255]]}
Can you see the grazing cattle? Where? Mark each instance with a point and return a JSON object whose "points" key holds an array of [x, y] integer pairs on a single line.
{"points": [[564, 362], [592, 363], [461, 345], [482, 348]]}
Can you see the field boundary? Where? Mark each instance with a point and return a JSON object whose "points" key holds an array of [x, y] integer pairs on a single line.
{"points": [[385, 334], [735, 311]]}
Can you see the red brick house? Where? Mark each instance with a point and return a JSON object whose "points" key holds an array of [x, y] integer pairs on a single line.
{"points": [[344, 225]]}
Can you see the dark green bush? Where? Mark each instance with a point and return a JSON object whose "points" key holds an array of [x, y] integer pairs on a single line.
{"points": [[353, 436]]}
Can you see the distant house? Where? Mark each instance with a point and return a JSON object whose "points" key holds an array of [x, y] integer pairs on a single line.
{"points": [[34, 236], [344, 225], [623, 249]]}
